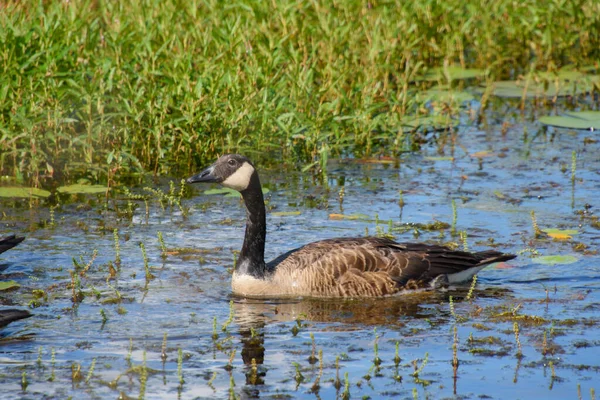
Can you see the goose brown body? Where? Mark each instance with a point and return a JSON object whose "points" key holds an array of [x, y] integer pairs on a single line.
{"points": [[343, 267]]}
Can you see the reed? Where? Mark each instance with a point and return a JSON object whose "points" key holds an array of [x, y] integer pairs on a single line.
{"points": [[110, 88]]}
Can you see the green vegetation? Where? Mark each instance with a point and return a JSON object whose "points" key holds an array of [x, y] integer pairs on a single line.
{"points": [[99, 89]]}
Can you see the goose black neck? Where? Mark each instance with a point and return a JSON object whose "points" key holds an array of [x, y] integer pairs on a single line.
{"points": [[252, 256]]}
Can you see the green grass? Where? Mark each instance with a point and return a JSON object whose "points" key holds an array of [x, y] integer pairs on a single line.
{"points": [[103, 88]]}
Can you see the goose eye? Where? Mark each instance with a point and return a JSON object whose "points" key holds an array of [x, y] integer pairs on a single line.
{"points": [[231, 162]]}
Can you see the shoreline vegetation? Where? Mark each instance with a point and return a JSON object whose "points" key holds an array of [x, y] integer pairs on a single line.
{"points": [[101, 89]]}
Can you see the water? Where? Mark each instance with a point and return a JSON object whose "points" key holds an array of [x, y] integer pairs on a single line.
{"points": [[495, 180]]}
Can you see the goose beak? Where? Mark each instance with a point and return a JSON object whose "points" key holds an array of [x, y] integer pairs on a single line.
{"points": [[205, 176]]}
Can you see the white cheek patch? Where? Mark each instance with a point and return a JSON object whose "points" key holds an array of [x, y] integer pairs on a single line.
{"points": [[240, 179]]}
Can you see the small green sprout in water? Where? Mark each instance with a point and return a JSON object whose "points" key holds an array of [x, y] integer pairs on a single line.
{"points": [[397, 358], [253, 371], [573, 167], [316, 386], [232, 388], [179, 364], [337, 383], [455, 352], [75, 372], [129, 351], [518, 340], [24, 382], [163, 248], [313, 359], [117, 247], [52, 220], [215, 335], [341, 195], [52, 363], [451, 302], [296, 328], [418, 370], [463, 239], [76, 293], [149, 276], [401, 200], [537, 232], [230, 319], [211, 380], [593, 393], [39, 359], [163, 348], [346, 393], [545, 344], [103, 315], [454, 218], [376, 359], [415, 394], [229, 365], [91, 371], [299, 378], [472, 288], [143, 376], [553, 374]]}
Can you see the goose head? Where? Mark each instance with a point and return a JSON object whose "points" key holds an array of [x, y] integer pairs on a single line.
{"points": [[233, 171]]}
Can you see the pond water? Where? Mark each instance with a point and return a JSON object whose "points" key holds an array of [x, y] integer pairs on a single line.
{"points": [[530, 329]]}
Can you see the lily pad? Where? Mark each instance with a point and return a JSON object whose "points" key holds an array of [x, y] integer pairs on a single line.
{"points": [[585, 120], [362, 217], [553, 260], [439, 158], [451, 73], [8, 285], [82, 189], [22, 192], [443, 95], [431, 123], [285, 213], [560, 234], [546, 85]]}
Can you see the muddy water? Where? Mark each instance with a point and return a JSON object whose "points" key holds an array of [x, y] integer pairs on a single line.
{"points": [[495, 181]]}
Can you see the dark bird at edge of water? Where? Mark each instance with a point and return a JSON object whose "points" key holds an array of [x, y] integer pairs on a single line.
{"points": [[9, 315], [342, 267], [8, 242]]}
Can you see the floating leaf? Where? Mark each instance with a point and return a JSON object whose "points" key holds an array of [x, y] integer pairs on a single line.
{"points": [[432, 123], [285, 213], [560, 234], [553, 260], [482, 154], [82, 189], [382, 160], [8, 285], [588, 120], [441, 94], [219, 191], [349, 216], [10, 191], [546, 85], [451, 73], [440, 158]]}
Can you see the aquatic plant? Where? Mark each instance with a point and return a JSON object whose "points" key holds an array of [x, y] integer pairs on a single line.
{"points": [[295, 79]]}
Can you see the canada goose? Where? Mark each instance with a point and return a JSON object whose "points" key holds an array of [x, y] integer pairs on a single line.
{"points": [[9, 315], [343, 267]]}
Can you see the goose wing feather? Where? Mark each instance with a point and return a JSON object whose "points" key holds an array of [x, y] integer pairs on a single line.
{"points": [[371, 266]]}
